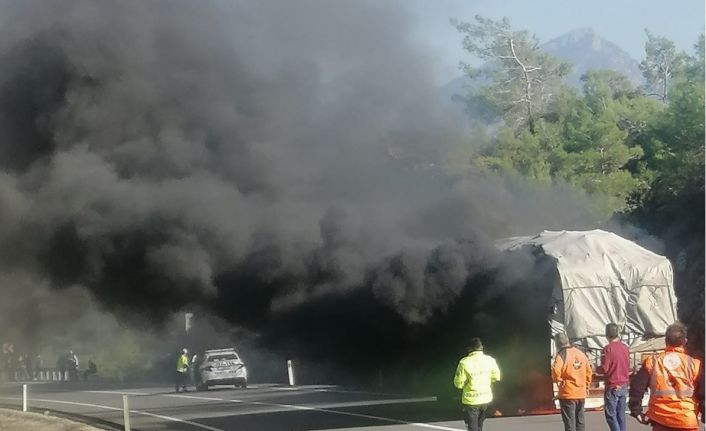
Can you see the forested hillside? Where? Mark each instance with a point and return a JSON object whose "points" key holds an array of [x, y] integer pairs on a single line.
{"points": [[636, 152]]}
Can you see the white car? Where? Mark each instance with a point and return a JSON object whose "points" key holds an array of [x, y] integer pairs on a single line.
{"points": [[220, 367]]}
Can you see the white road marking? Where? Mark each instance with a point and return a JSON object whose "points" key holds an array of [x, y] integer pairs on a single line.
{"points": [[137, 412], [117, 392], [317, 409], [347, 391], [375, 402]]}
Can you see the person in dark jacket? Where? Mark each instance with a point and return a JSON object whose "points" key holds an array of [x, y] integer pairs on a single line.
{"points": [[73, 366], [90, 371], [37, 366]]}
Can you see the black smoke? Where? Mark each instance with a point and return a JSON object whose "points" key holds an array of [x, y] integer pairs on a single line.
{"points": [[279, 164]]}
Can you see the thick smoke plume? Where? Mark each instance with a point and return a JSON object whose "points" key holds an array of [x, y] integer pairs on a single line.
{"points": [[280, 164]]}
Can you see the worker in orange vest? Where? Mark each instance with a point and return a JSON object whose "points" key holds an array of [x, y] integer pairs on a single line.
{"points": [[572, 373], [675, 380]]}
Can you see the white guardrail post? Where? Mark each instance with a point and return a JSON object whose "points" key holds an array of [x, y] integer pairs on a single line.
{"points": [[126, 413], [24, 397], [290, 372]]}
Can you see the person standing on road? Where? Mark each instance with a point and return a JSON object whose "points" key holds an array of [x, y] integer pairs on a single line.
{"points": [[475, 375], [572, 373], [193, 368], [675, 381], [182, 370], [73, 366], [61, 364], [91, 370], [37, 366], [25, 367], [615, 366]]}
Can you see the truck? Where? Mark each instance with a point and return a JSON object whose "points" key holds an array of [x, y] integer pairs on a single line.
{"points": [[600, 278]]}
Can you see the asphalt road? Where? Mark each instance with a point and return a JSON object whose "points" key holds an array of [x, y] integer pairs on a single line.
{"points": [[269, 407]]}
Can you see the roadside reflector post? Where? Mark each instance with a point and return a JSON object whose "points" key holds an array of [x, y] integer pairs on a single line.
{"points": [[126, 413], [290, 372], [24, 397]]}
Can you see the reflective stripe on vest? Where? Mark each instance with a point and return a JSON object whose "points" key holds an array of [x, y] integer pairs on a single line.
{"points": [[672, 403], [475, 394], [668, 392]]}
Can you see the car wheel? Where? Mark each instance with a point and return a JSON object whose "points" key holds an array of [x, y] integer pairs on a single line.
{"points": [[201, 387]]}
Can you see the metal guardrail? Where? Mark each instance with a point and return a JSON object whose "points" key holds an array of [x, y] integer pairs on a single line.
{"points": [[42, 375]]}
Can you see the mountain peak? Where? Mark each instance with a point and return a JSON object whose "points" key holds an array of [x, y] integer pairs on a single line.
{"points": [[584, 38], [586, 50], [580, 33]]}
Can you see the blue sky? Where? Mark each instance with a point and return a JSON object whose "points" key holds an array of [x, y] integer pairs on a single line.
{"points": [[620, 21]]}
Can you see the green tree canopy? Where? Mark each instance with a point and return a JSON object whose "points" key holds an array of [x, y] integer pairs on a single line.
{"points": [[522, 79], [661, 63], [591, 140]]}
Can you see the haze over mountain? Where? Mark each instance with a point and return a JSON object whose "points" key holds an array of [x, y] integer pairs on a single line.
{"points": [[584, 49]]}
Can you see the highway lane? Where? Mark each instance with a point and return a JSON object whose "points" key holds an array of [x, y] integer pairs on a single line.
{"points": [[270, 407]]}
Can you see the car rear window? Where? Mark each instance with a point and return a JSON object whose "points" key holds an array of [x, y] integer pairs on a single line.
{"points": [[223, 357]]}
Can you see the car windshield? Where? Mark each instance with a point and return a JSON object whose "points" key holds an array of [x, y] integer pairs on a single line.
{"points": [[223, 357]]}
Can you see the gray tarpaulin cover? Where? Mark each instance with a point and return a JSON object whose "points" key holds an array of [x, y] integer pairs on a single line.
{"points": [[602, 278]]}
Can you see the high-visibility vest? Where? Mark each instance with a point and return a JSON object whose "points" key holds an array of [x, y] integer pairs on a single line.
{"points": [[573, 373], [673, 376], [182, 364], [474, 376]]}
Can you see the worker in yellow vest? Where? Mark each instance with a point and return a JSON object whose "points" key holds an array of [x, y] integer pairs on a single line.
{"points": [[182, 370], [474, 377]]}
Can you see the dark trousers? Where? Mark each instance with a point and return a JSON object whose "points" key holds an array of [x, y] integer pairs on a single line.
{"points": [[181, 380], [572, 414], [615, 403], [474, 416]]}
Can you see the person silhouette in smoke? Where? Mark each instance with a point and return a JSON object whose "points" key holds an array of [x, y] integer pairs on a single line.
{"points": [[91, 370], [37, 366], [73, 366], [193, 367], [62, 365]]}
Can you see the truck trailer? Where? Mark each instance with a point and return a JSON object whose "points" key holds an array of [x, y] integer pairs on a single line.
{"points": [[600, 278]]}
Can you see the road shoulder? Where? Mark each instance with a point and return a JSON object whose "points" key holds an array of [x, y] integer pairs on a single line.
{"points": [[12, 420]]}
